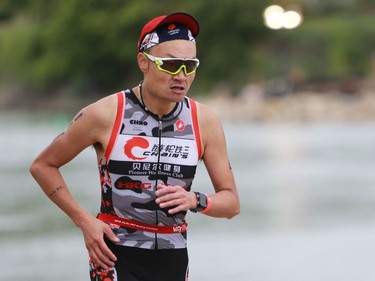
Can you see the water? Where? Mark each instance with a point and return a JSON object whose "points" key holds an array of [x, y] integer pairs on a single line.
{"points": [[307, 194]]}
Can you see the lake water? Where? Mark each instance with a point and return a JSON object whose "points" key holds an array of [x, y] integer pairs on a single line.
{"points": [[307, 194]]}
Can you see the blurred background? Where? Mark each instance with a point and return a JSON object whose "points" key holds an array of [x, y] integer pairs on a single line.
{"points": [[293, 82]]}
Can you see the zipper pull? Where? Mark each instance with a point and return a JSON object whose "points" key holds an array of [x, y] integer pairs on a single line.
{"points": [[160, 124]]}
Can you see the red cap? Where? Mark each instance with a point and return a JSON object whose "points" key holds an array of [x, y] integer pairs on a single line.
{"points": [[183, 18]]}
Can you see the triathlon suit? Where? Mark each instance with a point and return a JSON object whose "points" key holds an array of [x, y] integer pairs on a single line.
{"points": [[145, 150]]}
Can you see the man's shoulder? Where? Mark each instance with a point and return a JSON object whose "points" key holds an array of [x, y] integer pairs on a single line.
{"points": [[102, 110], [109, 100], [204, 109], [207, 116]]}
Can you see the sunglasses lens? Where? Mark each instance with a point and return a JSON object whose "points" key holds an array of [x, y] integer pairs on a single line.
{"points": [[174, 66], [191, 65], [171, 65]]}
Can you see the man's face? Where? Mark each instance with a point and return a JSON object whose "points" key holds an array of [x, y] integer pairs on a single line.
{"points": [[165, 85]]}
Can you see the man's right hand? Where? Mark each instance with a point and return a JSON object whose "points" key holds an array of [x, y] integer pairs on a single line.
{"points": [[99, 253]]}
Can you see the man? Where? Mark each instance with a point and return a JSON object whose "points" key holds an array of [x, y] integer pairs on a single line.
{"points": [[148, 141]]}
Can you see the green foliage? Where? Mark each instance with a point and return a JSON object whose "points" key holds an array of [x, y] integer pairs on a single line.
{"points": [[8, 8], [325, 48], [230, 29], [89, 46]]}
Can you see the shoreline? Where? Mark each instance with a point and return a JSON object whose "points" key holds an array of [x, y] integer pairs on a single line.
{"points": [[298, 107], [251, 106]]}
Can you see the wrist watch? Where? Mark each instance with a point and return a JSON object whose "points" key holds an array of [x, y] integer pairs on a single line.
{"points": [[201, 202]]}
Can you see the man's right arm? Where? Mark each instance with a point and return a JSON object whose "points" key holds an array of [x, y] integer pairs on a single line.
{"points": [[83, 132]]}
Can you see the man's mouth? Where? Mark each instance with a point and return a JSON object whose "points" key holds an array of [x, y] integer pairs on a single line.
{"points": [[177, 88]]}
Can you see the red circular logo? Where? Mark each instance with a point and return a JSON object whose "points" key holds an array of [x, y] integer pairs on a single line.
{"points": [[132, 143], [180, 126]]}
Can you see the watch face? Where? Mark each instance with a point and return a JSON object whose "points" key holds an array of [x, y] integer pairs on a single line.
{"points": [[202, 201]]}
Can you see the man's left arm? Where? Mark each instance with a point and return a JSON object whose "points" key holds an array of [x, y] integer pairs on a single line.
{"points": [[225, 201]]}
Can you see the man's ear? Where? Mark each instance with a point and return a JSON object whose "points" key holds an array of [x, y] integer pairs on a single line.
{"points": [[143, 62]]}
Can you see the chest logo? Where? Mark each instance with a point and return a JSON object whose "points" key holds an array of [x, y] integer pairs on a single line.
{"points": [[180, 125], [136, 120], [133, 143]]}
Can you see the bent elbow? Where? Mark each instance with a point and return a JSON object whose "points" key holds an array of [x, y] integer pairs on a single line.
{"points": [[234, 212], [35, 168]]}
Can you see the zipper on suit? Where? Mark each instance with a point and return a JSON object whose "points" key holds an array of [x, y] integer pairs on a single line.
{"points": [[160, 121]]}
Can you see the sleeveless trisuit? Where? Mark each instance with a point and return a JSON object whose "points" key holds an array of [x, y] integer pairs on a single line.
{"points": [[145, 150]]}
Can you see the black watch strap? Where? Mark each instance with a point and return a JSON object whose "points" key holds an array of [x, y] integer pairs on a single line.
{"points": [[201, 202]]}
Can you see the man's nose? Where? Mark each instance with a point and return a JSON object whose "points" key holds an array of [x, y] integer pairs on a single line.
{"points": [[181, 75]]}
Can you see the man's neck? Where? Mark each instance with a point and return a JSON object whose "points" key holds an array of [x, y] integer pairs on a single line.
{"points": [[156, 106]]}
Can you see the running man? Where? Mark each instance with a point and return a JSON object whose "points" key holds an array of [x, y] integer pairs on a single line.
{"points": [[148, 141]]}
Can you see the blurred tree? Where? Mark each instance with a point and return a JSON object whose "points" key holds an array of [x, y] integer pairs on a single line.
{"points": [[8, 8], [332, 48], [91, 45], [230, 29], [330, 7], [366, 6], [80, 43]]}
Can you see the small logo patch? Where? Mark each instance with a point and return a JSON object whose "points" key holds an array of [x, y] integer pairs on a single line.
{"points": [[180, 125]]}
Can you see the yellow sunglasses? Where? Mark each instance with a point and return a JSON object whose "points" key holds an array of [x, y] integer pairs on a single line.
{"points": [[174, 65]]}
